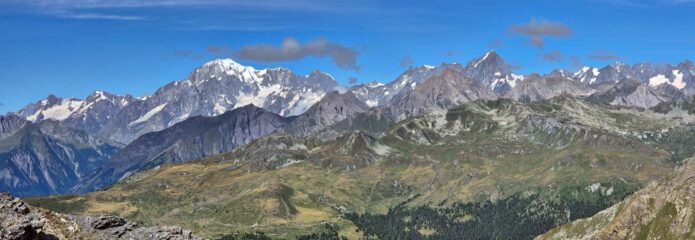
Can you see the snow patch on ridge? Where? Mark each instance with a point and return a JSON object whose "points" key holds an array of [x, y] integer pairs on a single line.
{"points": [[57, 112], [678, 81], [658, 80], [148, 115]]}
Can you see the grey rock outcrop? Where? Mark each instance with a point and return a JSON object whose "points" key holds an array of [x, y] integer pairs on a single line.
{"points": [[19, 221]]}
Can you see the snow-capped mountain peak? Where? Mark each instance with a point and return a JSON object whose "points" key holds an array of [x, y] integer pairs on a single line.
{"points": [[492, 71], [224, 68], [489, 56], [587, 75], [219, 86]]}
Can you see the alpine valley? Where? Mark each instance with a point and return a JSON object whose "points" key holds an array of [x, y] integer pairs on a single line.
{"points": [[452, 151]]}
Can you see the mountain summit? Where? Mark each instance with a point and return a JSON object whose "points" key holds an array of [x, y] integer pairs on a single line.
{"points": [[215, 88]]}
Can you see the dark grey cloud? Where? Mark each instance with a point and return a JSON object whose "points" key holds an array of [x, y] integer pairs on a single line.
{"points": [[219, 51], [576, 62], [292, 50], [538, 29], [406, 62], [452, 53], [603, 55], [553, 57], [352, 80], [187, 53]]}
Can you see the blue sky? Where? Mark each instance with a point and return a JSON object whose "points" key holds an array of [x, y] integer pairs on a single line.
{"points": [[72, 47]]}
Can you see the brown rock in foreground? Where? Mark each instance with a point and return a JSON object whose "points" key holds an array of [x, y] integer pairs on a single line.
{"points": [[19, 221]]}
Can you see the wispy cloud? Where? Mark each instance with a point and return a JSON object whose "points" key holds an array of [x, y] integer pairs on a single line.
{"points": [[603, 55], [239, 28], [219, 51], [100, 16], [576, 62], [291, 50], [641, 3], [495, 44], [553, 57], [629, 3], [305, 5], [187, 53], [538, 29], [352, 80]]}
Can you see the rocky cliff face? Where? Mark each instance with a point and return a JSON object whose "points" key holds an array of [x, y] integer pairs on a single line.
{"points": [[660, 211], [19, 221], [10, 124]]}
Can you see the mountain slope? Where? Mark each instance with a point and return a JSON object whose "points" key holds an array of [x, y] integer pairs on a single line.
{"points": [[193, 138], [662, 210], [537, 159], [48, 158], [439, 92], [332, 108]]}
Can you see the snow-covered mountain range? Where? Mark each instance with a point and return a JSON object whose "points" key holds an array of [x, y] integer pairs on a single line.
{"points": [[223, 85]]}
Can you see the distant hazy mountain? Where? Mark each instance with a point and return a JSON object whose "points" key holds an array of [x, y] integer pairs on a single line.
{"points": [[490, 71], [536, 88], [191, 139], [632, 93], [222, 85], [440, 92], [377, 94], [681, 76], [47, 157]]}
